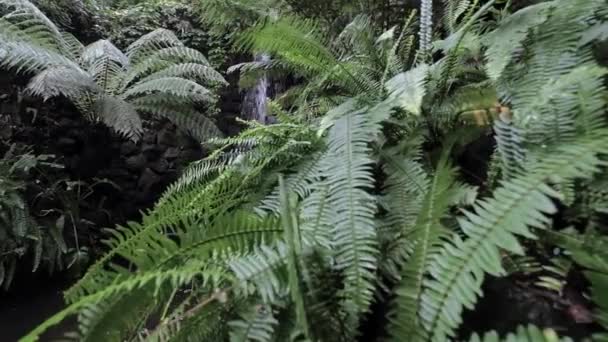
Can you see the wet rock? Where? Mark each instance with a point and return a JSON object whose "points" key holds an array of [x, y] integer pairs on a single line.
{"points": [[149, 138], [128, 148], [136, 162], [160, 166], [67, 145], [167, 137], [171, 153], [151, 151], [148, 180]]}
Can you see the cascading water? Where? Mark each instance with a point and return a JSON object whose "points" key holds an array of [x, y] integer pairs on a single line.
{"points": [[254, 104]]}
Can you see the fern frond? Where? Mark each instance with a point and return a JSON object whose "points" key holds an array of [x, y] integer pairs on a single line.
{"points": [[506, 41], [175, 277], [162, 59], [509, 145], [201, 73], [102, 49], [152, 42], [425, 237], [175, 86], [258, 324], [32, 26], [520, 204], [347, 166], [120, 115], [523, 334], [294, 40], [62, 81], [185, 118]]}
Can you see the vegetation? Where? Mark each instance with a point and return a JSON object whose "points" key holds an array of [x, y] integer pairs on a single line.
{"points": [[355, 203], [158, 75], [20, 234]]}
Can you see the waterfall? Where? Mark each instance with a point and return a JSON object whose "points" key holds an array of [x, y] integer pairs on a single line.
{"points": [[254, 104]]}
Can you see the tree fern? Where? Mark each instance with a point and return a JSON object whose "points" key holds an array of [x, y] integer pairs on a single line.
{"points": [[102, 81]]}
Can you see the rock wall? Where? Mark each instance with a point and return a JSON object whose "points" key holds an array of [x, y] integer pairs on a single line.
{"points": [[118, 177]]}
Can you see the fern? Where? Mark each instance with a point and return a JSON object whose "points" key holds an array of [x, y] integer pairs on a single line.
{"points": [[425, 238], [103, 82], [523, 334], [520, 204]]}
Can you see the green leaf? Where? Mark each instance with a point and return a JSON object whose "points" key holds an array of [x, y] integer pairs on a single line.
{"points": [[408, 89]]}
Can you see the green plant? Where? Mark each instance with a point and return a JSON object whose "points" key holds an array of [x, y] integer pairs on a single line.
{"points": [[291, 231], [20, 234], [158, 75]]}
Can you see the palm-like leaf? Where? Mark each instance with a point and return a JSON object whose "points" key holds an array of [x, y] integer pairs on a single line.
{"points": [[104, 83]]}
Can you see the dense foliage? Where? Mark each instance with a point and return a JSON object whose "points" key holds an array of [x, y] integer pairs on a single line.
{"points": [[158, 75], [355, 199]]}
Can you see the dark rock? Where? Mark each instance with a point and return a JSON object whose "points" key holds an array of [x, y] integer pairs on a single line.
{"points": [[167, 137], [65, 141], [148, 180], [171, 153], [189, 155], [5, 132], [151, 152], [149, 138], [128, 148], [160, 166], [68, 123], [136, 162], [187, 141]]}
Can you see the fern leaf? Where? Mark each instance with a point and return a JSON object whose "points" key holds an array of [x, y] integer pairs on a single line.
{"points": [[152, 42], [62, 80], [347, 166], [507, 39], [120, 115], [426, 237], [199, 72], [175, 86], [520, 204], [102, 49], [523, 334], [408, 89]]}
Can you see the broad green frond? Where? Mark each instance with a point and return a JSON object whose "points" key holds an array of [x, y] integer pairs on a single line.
{"points": [[176, 277], [23, 57], [62, 81], [160, 60], [519, 205], [120, 115], [523, 334], [257, 324], [32, 26], [264, 269], [506, 41], [509, 145], [175, 86], [550, 68], [184, 117], [294, 40], [425, 239], [408, 89], [152, 42], [102, 49], [348, 170], [201, 73]]}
